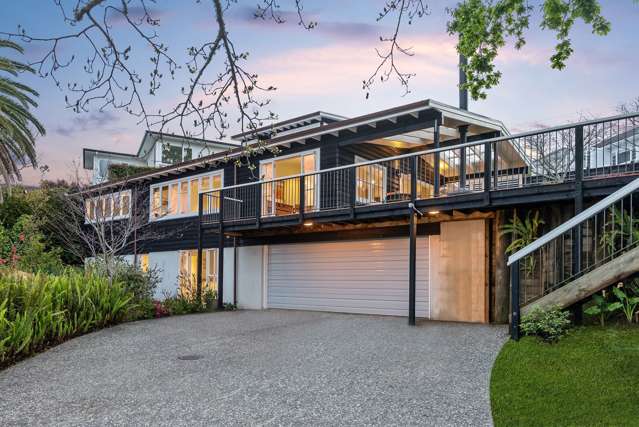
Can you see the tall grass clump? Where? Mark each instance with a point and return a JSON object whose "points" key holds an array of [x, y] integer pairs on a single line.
{"points": [[41, 310]]}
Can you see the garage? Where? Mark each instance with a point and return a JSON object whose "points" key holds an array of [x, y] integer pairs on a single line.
{"points": [[360, 276]]}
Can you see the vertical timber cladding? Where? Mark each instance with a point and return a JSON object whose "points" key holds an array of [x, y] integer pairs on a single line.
{"points": [[459, 272]]}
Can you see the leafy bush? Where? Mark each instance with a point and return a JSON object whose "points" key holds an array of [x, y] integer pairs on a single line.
{"points": [[602, 307], [629, 303], [122, 170], [522, 234], [178, 305], [22, 247], [40, 310], [549, 325]]}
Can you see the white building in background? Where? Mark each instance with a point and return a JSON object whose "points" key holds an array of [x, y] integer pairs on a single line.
{"points": [[156, 150], [618, 150]]}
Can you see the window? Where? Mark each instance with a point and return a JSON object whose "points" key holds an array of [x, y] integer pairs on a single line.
{"points": [[622, 158], [371, 183], [171, 154], [194, 195], [143, 260], [180, 197], [283, 197], [188, 270], [184, 197], [188, 153], [173, 199], [108, 207]]}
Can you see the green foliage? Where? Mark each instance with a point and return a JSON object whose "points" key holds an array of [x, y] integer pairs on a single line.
{"points": [[549, 325], [523, 233], [22, 247], [123, 171], [483, 27], [602, 308], [37, 311], [45, 207], [18, 126], [619, 230], [230, 307], [628, 303]]}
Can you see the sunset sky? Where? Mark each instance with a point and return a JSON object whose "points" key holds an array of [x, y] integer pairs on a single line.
{"points": [[323, 69]]}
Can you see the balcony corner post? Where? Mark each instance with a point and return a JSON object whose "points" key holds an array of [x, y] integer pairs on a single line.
{"points": [[302, 197], [463, 139], [413, 178], [258, 204], [487, 171], [436, 157]]}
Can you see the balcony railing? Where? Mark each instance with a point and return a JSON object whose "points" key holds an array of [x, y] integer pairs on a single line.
{"points": [[587, 150]]}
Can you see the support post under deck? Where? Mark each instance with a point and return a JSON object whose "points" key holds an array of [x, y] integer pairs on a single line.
{"points": [[220, 258], [200, 232]]}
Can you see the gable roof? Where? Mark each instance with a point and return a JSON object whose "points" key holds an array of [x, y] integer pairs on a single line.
{"points": [[149, 138]]}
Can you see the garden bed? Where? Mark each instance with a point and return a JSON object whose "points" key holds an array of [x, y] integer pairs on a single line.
{"points": [[590, 377]]}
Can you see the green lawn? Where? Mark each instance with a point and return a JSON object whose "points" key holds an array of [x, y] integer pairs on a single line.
{"points": [[591, 377]]}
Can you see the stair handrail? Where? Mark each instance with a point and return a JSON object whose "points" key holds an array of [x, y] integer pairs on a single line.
{"points": [[576, 220]]}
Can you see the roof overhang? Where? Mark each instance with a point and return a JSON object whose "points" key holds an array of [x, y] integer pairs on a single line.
{"points": [[421, 115], [315, 119]]}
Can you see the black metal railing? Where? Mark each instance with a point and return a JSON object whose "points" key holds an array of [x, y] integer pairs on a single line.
{"points": [[589, 240], [571, 153]]}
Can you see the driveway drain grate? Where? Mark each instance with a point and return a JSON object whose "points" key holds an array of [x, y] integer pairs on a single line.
{"points": [[190, 357]]}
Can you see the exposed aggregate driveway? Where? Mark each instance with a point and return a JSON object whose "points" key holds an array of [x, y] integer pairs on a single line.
{"points": [[272, 367]]}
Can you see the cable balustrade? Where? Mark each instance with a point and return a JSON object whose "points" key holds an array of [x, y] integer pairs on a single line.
{"points": [[588, 150]]}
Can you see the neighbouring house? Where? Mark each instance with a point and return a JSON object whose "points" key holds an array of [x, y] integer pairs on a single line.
{"points": [[156, 150], [396, 212]]}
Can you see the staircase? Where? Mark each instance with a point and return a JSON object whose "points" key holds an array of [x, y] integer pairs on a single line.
{"points": [[593, 250]]}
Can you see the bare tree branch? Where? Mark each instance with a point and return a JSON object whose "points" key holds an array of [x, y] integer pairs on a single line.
{"points": [[406, 10]]}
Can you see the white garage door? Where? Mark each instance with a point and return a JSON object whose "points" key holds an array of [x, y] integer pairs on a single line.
{"points": [[366, 276]]}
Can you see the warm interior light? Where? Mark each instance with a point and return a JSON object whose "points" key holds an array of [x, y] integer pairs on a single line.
{"points": [[308, 223], [433, 212]]}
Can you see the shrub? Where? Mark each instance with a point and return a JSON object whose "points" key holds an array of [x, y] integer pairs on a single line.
{"points": [[629, 303], [602, 307], [22, 247], [549, 325], [40, 310]]}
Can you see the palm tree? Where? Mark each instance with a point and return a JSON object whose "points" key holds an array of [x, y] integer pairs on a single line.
{"points": [[17, 137]]}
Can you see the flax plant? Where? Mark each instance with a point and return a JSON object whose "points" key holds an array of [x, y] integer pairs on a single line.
{"points": [[37, 311]]}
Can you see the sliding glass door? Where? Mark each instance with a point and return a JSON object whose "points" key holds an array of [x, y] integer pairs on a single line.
{"points": [[282, 196]]}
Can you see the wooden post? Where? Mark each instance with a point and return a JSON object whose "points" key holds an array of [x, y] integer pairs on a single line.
{"points": [[500, 297]]}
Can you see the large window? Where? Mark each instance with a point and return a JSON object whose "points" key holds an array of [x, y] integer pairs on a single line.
{"points": [[282, 197], [188, 270], [371, 183], [180, 197], [172, 154], [108, 207]]}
